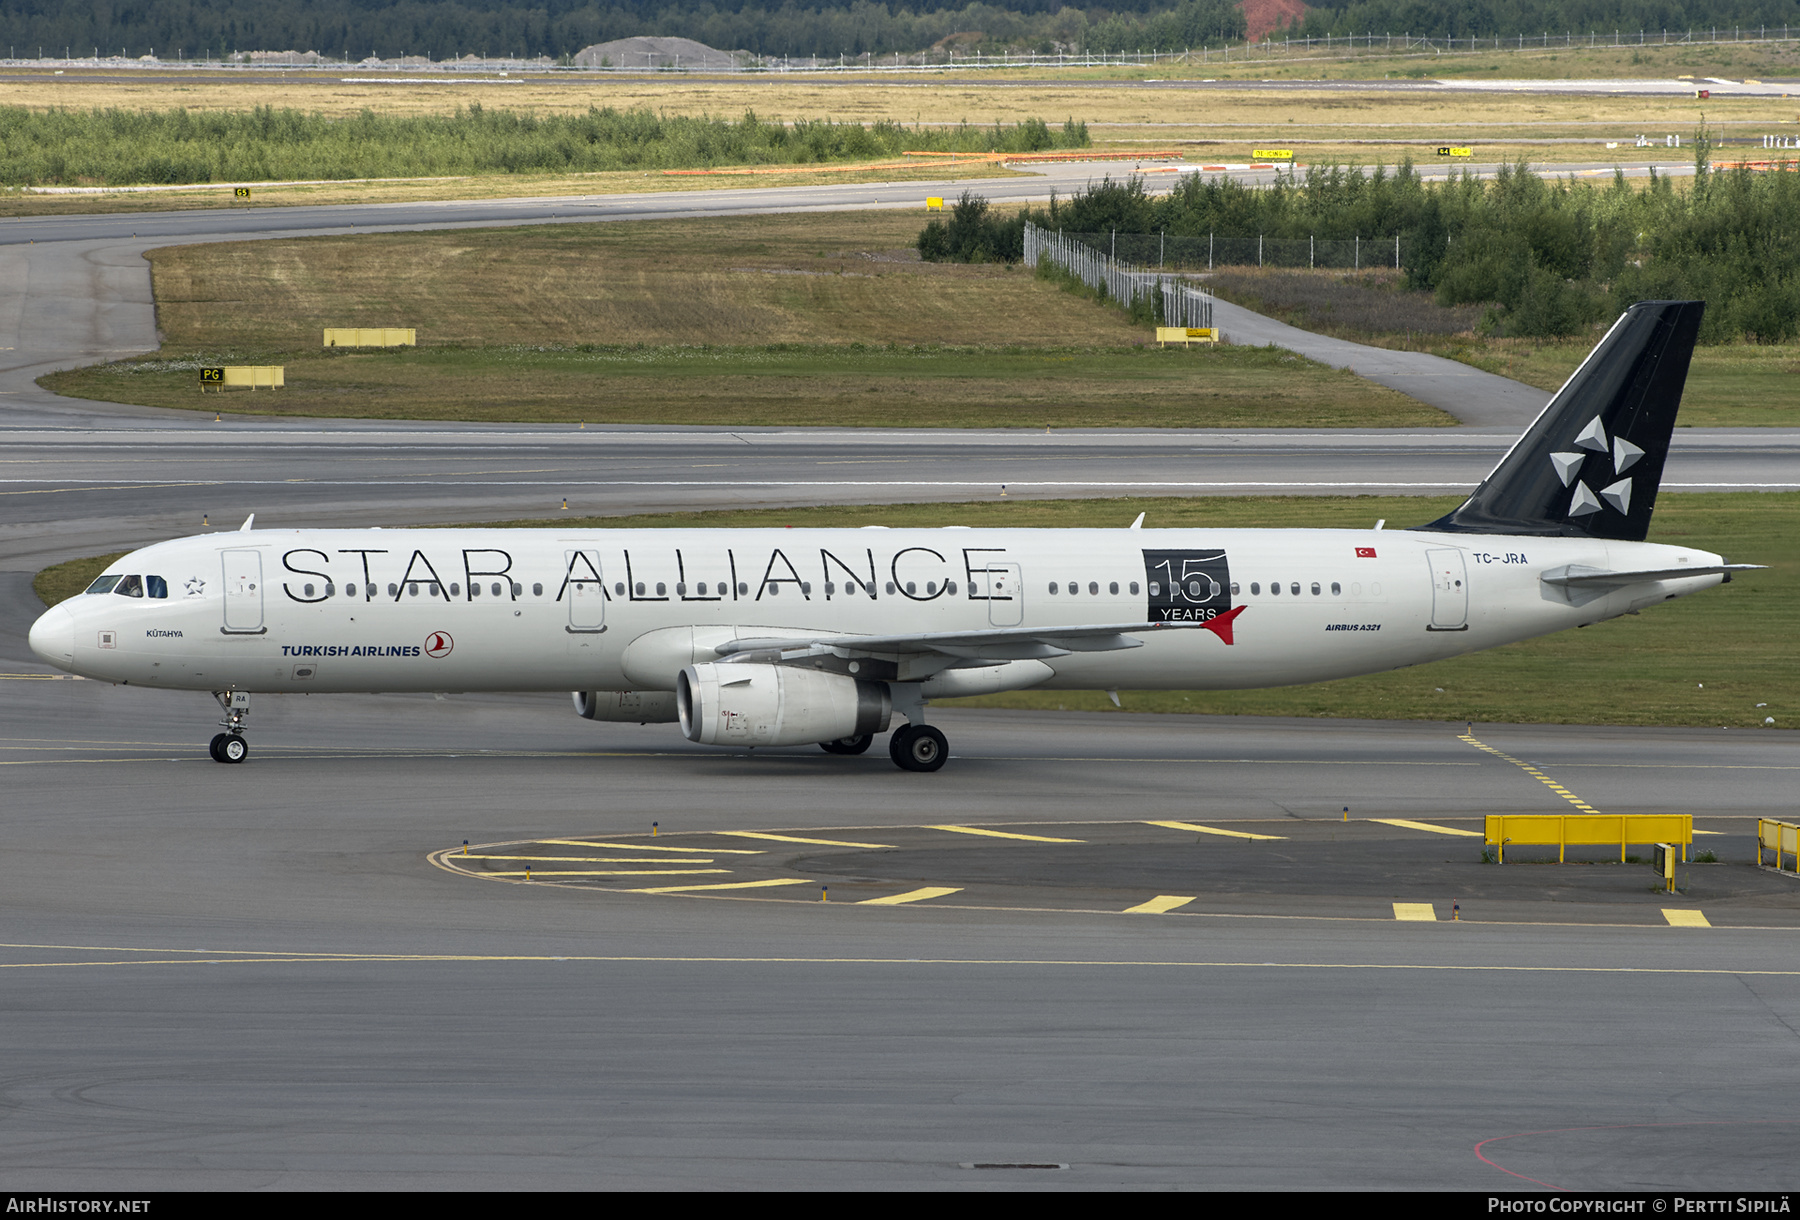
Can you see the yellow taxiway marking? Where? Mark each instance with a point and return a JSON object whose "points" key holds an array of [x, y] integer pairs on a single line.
{"points": [[1211, 830], [1002, 834], [759, 834], [1158, 904], [1420, 912], [1406, 824], [586, 859], [1532, 771], [605, 872], [714, 851], [730, 885], [894, 900], [1685, 919]]}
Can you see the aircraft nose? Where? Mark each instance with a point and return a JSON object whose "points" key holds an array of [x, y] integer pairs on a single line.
{"points": [[53, 637]]}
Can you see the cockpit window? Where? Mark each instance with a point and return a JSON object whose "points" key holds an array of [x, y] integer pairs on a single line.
{"points": [[103, 585], [156, 586], [130, 586]]}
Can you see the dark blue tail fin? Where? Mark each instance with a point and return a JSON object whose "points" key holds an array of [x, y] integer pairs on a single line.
{"points": [[1589, 467]]}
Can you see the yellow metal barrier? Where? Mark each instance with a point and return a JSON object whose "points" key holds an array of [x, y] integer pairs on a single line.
{"points": [[1782, 838], [272, 375], [371, 336], [1589, 829], [1187, 334], [934, 203]]}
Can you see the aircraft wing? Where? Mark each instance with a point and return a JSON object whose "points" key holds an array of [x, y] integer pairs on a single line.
{"points": [[998, 643], [1578, 574]]}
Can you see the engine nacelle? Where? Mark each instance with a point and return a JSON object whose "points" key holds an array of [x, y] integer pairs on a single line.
{"points": [[626, 706], [777, 705]]}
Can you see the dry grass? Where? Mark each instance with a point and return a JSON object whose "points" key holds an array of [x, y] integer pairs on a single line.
{"points": [[792, 385], [819, 319], [1210, 124], [844, 278], [1350, 304], [1734, 385], [1738, 385]]}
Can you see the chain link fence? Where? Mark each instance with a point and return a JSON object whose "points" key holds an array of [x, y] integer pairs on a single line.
{"points": [[1089, 261], [1155, 252]]}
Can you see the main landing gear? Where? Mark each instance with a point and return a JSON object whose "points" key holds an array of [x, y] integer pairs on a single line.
{"points": [[913, 747], [230, 746], [918, 747]]}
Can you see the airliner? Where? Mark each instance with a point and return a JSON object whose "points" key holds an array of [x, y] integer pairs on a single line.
{"points": [[783, 637]]}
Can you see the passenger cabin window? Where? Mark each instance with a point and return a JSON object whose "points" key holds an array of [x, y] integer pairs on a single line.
{"points": [[1315, 588], [1294, 588], [1255, 589], [1336, 589]]}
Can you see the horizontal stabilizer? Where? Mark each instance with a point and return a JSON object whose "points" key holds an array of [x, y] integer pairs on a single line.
{"points": [[1577, 574]]}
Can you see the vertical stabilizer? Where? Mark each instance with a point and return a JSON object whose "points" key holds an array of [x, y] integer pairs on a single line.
{"points": [[1590, 465]]}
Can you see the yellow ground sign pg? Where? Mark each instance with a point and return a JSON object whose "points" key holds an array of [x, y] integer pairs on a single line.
{"points": [[934, 203], [274, 376], [1446, 150], [1271, 154]]}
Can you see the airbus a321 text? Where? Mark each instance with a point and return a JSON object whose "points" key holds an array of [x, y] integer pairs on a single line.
{"points": [[790, 637]]}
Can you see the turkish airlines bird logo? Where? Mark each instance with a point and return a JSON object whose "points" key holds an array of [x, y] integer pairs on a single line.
{"points": [[439, 644]]}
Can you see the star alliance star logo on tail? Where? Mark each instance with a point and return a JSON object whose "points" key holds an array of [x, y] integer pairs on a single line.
{"points": [[1568, 466]]}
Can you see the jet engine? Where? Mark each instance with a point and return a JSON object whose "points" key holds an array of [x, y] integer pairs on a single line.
{"points": [[750, 704], [627, 706]]}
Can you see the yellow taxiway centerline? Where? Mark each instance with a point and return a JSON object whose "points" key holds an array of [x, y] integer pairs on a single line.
{"points": [[1002, 834], [729, 885], [1212, 830], [1405, 824], [894, 900], [1158, 904], [759, 834], [717, 851]]}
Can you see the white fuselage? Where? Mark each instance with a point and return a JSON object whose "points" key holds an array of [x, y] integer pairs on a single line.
{"points": [[610, 610]]}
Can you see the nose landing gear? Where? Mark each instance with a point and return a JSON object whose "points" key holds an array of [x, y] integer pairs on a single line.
{"points": [[230, 746]]}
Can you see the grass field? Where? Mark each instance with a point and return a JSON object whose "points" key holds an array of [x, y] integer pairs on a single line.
{"points": [[1709, 660], [1214, 125], [1737, 385], [821, 319]]}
